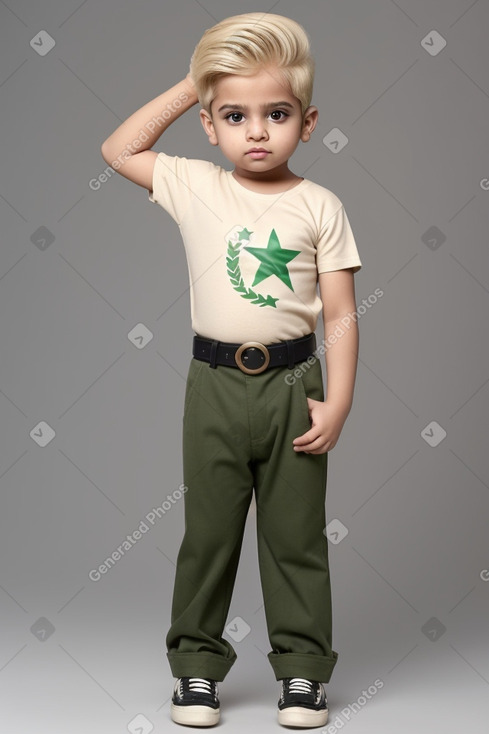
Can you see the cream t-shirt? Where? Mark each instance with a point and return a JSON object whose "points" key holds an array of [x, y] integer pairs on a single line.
{"points": [[253, 258]]}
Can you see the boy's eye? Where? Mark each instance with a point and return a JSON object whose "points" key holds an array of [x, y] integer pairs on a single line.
{"points": [[278, 112], [233, 115]]}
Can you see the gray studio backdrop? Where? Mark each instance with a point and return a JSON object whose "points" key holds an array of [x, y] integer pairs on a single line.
{"points": [[96, 340]]}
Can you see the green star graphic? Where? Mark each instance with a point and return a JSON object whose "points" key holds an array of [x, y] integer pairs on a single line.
{"points": [[244, 234], [273, 260]]}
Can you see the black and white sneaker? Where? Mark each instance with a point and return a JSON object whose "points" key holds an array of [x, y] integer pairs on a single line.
{"points": [[302, 702], [195, 701]]}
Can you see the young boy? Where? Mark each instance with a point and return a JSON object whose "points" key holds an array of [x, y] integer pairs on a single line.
{"points": [[258, 241]]}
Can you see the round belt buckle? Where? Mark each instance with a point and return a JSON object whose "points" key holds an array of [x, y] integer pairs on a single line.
{"points": [[258, 354]]}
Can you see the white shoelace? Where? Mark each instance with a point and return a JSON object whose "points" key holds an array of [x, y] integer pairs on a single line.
{"points": [[200, 684], [300, 685]]}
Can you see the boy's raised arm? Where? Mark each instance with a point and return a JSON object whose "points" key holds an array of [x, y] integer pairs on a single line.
{"points": [[128, 148]]}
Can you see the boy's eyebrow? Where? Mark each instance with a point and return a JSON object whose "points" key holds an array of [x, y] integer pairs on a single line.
{"points": [[267, 106]]}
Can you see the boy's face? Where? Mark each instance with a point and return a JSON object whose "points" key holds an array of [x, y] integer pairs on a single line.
{"points": [[257, 111]]}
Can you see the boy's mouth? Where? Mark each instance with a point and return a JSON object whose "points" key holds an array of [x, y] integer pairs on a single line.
{"points": [[257, 152]]}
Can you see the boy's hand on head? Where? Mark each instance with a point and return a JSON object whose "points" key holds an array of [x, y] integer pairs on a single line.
{"points": [[327, 421]]}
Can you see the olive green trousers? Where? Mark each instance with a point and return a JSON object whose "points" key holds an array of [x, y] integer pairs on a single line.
{"points": [[237, 436]]}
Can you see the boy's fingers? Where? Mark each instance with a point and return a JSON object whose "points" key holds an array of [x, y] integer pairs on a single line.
{"points": [[307, 437], [311, 448]]}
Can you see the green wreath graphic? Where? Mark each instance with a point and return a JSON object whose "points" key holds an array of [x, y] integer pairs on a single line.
{"points": [[234, 272]]}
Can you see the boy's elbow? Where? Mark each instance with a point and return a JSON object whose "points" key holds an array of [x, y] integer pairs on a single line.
{"points": [[108, 151], [105, 152]]}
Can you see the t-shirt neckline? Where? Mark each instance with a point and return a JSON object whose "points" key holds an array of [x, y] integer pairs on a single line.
{"points": [[260, 194]]}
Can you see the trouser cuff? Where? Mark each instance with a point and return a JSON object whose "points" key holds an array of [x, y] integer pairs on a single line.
{"points": [[200, 664], [313, 667]]}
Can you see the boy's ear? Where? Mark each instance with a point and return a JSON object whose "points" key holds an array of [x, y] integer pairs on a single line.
{"points": [[309, 122], [208, 126]]}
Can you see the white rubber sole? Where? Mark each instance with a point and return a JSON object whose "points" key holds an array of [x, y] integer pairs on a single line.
{"points": [[299, 716], [195, 715]]}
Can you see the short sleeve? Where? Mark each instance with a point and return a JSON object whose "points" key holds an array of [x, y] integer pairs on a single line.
{"points": [[336, 248], [176, 181]]}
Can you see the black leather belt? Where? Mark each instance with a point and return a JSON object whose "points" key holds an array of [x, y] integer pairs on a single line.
{"points": [[254, 357]]}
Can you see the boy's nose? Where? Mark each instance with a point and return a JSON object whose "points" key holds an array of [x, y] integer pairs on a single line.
{"points": [[256, 130]]}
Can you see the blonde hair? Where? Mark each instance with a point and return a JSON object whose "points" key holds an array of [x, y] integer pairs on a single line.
{"points": [[244, 44]]}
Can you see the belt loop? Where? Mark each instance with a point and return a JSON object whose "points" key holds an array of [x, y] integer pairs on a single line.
{"points": [[290, 353], [213, 354]]}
